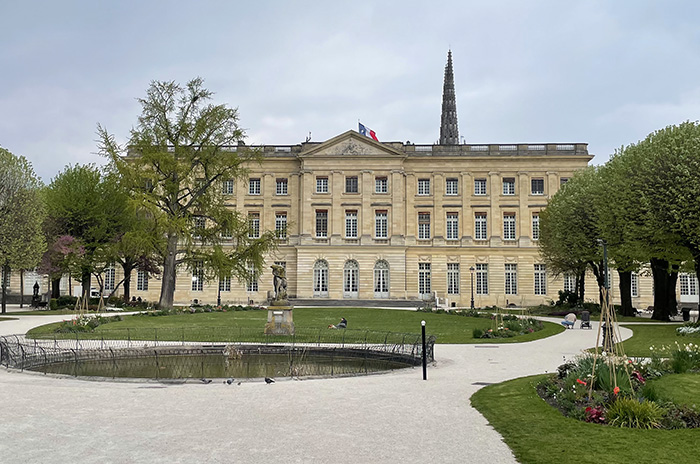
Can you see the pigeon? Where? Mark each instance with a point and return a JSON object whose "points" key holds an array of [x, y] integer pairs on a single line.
{"points": [[239, 383], [229, 381], [268, 380], [205, 381]]}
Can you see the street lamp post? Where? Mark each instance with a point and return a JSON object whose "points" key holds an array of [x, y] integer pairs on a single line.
{"points": [[218, 295], [471, 270]]}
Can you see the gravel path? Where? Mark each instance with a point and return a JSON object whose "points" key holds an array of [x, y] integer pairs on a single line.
{"points": [[387, 418]]}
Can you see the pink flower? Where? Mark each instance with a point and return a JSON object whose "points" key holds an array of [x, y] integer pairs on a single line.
{"points": [[582, 382], [616, 390]]}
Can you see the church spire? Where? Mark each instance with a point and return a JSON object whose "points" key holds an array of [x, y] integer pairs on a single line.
{"points": [[449, 132]]}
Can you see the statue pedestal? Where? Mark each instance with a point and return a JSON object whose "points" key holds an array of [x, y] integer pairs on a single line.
{"points": [[279, 320]]}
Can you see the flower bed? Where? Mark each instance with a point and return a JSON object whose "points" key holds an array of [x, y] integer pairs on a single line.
{"points": [[689, 328], [509, 326], [620, 392]]}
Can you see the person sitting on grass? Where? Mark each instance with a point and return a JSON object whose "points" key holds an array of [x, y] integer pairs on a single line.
{"points": [[569, 321], [343, 324]]}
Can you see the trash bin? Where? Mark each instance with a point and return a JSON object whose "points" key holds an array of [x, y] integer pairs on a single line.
{"points": [[686, 314]]}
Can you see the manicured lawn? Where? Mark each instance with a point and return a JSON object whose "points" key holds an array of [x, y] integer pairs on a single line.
{"points": [[447, 328], [540, 434], [681, 389], [7, 319], [656, 335], [45, 312]]}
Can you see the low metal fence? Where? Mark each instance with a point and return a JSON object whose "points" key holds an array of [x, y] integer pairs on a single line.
{"points": [[187, 352]]}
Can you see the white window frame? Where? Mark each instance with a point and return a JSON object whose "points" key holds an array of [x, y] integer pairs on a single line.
{"points": [[452, 186], [424, 226], [511, 277], [381, 224], [535, 186], [424, 278], [453, 277], [634, 285], [322, 184], [351, 224], [110, 277], [423, 187], [225, 283], [252, 284], [535, 226], [381, 184], [282, 187], [352, 184], [254, 186], [197, 277], [480, 187], [569, 283], [321, 278], [540, 279], [281, 225], [509, 186], [141, 280], [480, 226], [452, 226], [321, 223], [482, 279], [228, 187], [254, 225], [509, 226]]}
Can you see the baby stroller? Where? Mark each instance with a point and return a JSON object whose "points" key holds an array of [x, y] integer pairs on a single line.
{"points": [[585, 320]]}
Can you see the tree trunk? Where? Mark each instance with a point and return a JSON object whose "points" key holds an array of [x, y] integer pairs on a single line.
{"points": [[55, 288], [599, 273], [167, 289], [127, 268], [21, 288], [626, 308], [581, 286], [659, 270], [5, 272], [85, 282]]}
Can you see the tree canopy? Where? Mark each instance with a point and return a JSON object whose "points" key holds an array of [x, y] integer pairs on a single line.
{"points": [[180, 152], [21, 216]]}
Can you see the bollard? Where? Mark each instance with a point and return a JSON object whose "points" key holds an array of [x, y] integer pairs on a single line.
{"points": [[425, 360]]}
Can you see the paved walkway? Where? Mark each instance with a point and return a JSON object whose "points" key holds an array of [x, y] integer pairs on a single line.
{"points": [[388, 418]]}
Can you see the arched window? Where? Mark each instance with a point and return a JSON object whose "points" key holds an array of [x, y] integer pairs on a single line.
{"points": [[321, 279], [351, 276], [381, 279]]}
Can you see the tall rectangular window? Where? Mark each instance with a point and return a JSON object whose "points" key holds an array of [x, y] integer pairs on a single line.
{"points": [[511, 279], [635, 285], [482, 279], [423, 186], [537, 186], [479, 186], [452, 226], [509, 226], [321, 223], [281, 187], [254, 186], [563, 180], [350, 224], [225, 283], [535, 226], [281, 225], [253, 225], [453, 278], [688, 284], [199, 224], [423, 226], [381, 185], [197, 277], [226, 234], [252, 283], [381, 224], [424, 278], [351, 184], [227, 187], [322, 185], [141, 281], [480, 226], [508, 186], [451, 186], [569, 283], [110, 277], [540, 279]]}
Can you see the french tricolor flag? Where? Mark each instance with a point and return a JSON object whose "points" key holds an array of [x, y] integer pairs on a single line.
{"points": [[367, 132]]}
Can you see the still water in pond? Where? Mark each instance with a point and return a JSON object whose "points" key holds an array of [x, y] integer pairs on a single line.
{"points": [[248, 365]]}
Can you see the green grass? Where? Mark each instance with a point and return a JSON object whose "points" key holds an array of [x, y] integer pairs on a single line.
{"points": [[681, 389], [539, 434], [647, 335], [447, 328], [46, 312], [7, 319]]}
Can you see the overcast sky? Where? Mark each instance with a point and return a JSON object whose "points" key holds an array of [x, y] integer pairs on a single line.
{"points": [[602, 72]]}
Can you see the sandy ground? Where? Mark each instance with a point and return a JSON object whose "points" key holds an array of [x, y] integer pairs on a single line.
{"points": [[387, 418]]}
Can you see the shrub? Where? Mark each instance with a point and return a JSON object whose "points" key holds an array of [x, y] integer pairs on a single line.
{"points": [[477, 333], [632, 413]]}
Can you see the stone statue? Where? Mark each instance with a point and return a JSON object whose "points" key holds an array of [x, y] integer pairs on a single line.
{"points": [[279, 282]]}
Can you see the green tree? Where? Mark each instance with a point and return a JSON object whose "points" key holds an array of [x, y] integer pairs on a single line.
{"points": [[88, 206], [569, 238], [671, 170], [21, 215], [176, 159]]}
